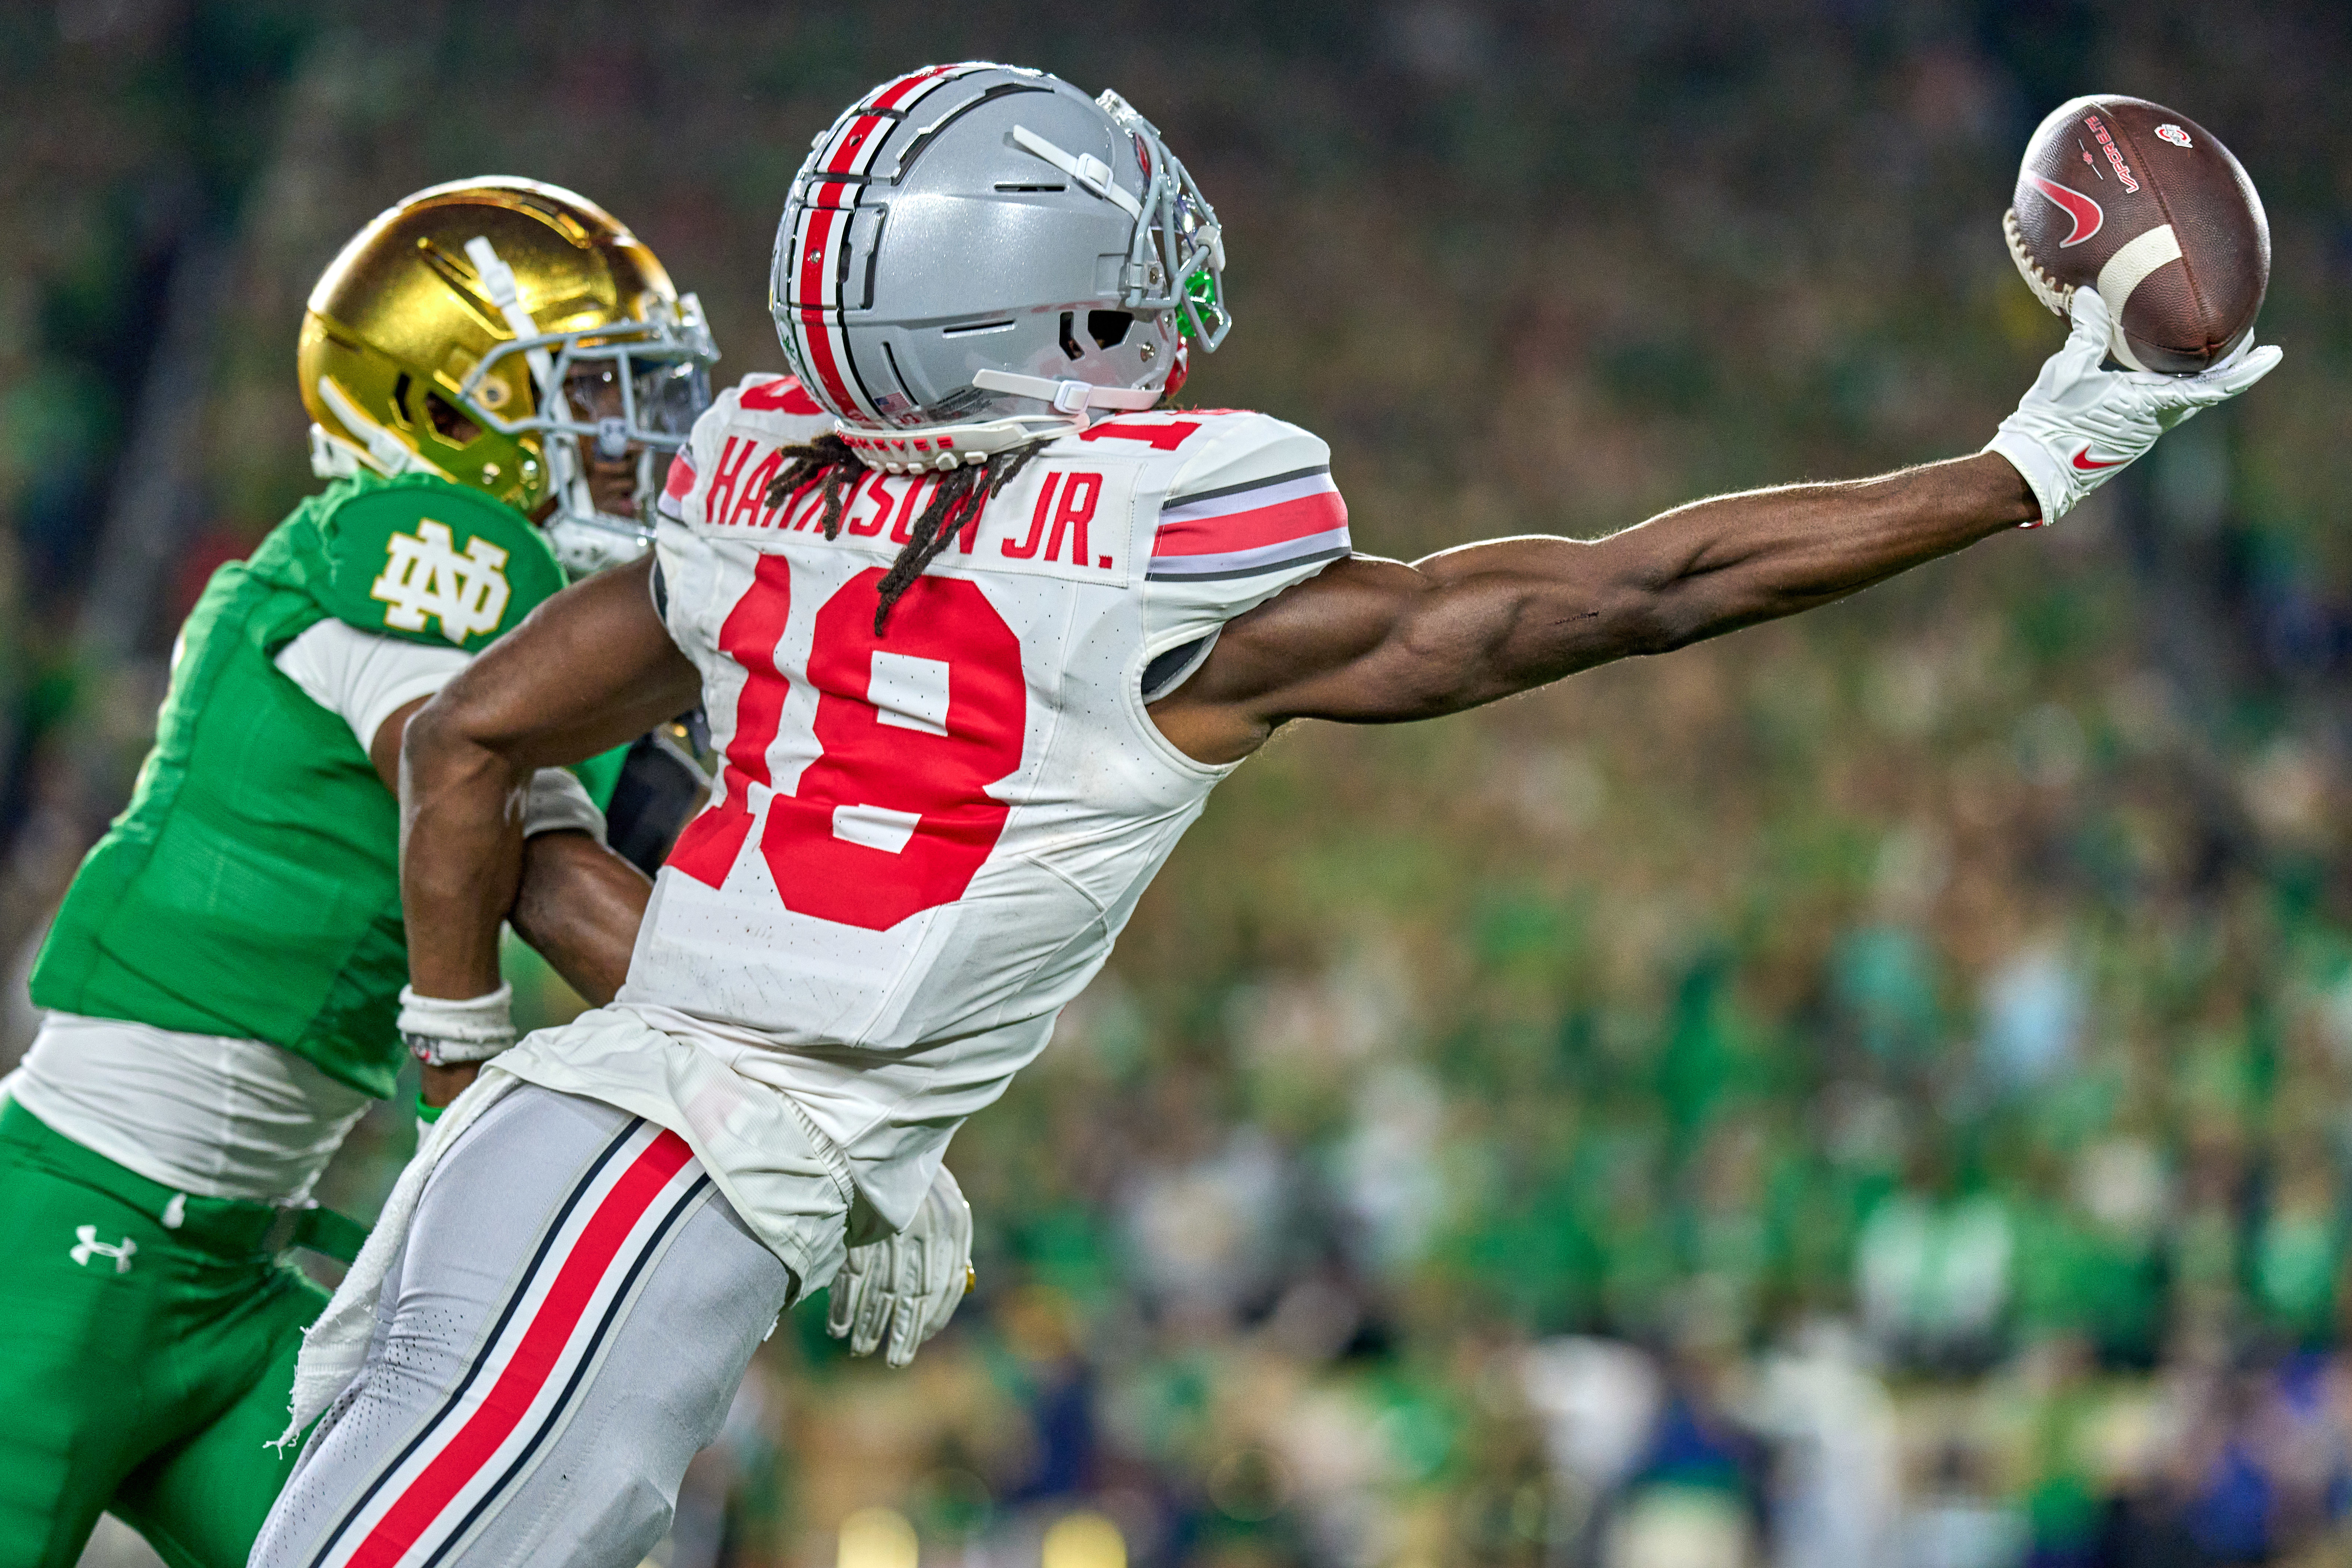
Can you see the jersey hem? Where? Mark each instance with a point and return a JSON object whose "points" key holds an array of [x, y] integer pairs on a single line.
{"points": [[232, 1229]]}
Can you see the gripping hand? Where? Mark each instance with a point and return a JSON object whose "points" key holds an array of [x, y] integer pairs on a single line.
{"points": [[904, 1288], [2079, 425]]}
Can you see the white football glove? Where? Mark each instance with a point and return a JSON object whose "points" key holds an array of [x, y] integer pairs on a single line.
{"points": [[2079, 426], [905, 1289]]}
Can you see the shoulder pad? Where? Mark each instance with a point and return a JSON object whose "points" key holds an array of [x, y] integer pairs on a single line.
{"points": [[761, 413], [1207, 447], [1250, 510], [1236, 447], [763, 391], [1253, 496], [427, 561], [776, 406]]}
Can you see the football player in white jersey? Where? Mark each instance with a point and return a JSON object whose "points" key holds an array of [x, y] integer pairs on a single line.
{"points": [[978, 628]]}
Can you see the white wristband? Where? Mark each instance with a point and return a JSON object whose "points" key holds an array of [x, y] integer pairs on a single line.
{"points": [[439, 1032]]}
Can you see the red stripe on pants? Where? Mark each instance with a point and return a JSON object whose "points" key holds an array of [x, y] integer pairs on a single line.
{"points": [[519, 1383]]}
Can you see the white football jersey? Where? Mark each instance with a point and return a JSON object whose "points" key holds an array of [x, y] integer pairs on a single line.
{"points": [[923, 842]]}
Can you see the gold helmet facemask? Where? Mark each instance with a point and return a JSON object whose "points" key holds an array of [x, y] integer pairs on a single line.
{"points": [[529, 312]]}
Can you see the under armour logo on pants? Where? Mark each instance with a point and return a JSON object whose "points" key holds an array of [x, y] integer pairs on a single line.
{"points": [[90, 1247]]}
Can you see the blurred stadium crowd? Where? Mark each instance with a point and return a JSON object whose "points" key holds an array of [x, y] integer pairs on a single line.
{"points": [[1875, 1089]]}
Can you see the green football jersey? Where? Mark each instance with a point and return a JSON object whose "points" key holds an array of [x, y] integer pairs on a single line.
{"points": [[252, 886]]}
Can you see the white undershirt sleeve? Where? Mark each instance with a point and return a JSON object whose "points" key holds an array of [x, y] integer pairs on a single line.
{"points": [[364, 678]]}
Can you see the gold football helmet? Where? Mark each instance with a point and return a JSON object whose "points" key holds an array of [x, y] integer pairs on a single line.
{"points": [[481, 331]]}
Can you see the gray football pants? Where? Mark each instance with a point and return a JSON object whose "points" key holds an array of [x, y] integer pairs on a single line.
{"points": [[571, 1314]]}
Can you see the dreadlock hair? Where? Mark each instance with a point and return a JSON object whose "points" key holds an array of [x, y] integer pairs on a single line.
{"points": [[828, 463]]}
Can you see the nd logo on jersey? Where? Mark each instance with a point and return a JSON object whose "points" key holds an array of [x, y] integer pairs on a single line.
{"points": [[425, 576]]}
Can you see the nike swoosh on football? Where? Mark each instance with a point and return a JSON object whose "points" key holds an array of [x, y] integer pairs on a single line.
{"points": [[2084, 461], [2082, 209]]}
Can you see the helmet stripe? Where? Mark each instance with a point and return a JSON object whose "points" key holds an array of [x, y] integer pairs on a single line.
{"points": [[832, 186], [860, 133], [816, 304], [825, 231], [891, 95]]}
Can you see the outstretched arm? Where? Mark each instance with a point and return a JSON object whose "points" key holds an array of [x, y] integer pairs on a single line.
{"points": [[589, 668], [1372, 641]]}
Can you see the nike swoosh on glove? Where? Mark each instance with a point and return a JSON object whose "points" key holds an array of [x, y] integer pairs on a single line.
{"points": [[2079, 426], [901, 1290]]}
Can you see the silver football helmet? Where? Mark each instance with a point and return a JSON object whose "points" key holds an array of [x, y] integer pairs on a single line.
{"points": [[977, 255]]}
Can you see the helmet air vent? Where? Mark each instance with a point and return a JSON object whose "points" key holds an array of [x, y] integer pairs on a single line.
{"points": [[930, 133]]}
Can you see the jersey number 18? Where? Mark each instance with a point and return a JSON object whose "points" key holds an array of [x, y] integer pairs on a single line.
{"points": [[893, 817]]}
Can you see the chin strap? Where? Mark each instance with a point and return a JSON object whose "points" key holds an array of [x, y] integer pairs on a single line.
{"points": [[566, 472], [1089, 170], [938, 448], [332, 457], [1065, 396], [385, 452], [499, 283]]}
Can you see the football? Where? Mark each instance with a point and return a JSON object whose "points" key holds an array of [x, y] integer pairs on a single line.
{"points": [[2146, 205]]}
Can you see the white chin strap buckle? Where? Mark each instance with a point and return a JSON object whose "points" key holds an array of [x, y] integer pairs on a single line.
{"points": [[1090, 172], [387, 453], [1070, 397]]}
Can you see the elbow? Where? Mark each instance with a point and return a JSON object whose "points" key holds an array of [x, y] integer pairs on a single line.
{"points": [[435, 745], [444, 749]]}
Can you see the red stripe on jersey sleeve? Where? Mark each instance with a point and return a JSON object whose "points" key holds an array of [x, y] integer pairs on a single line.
{"points": [[1252, 529], [680, 481]]}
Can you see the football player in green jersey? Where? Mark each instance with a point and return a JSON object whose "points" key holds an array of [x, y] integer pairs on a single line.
{"points": [[497, 371]]}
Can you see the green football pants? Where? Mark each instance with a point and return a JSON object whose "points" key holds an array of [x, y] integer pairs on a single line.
{"points": [[147, 1354]]}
